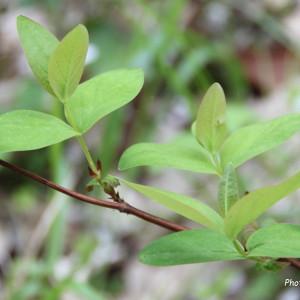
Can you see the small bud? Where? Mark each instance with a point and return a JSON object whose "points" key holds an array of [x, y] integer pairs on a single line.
{"points": [[91, 172], [111, 180], [99, 165], [89, 188]]}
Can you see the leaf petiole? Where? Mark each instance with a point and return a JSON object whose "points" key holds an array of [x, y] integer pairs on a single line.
{"points": [[88, 156], [82, 143]]}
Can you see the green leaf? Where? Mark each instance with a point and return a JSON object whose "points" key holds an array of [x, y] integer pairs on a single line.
{"points": [[228, 189], [210, 127], [101, 95], [188, 247], [38, 44], [251, 206], [250, 141], [23, 130], [279, 240], [185, 155], [67, 62], [188, 207]]}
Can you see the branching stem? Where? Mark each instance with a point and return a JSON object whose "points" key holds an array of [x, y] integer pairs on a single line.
{"points": [[122, 207]]}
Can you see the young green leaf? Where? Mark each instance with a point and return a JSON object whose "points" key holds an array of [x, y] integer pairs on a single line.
{"points": [[279, 240], [250, 141], [251, 206], [188, 207], [67, 62], [23, 130], [38, 44], [101, 95], [228, 189], [188, 247], [182, 154], [210, 126]]}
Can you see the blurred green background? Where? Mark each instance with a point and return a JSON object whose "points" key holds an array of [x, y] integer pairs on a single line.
{"points": [[54, 248]]}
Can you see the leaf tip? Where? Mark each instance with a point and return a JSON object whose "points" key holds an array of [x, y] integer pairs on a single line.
{"points": [[217, 88], [82, 30], [121, 166], [21, 20], [217, 85], [139, 72], [141, 258], [144, 258]]}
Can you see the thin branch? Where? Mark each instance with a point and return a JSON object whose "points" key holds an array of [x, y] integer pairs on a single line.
{"points": [[292, 261], [121, 207]]}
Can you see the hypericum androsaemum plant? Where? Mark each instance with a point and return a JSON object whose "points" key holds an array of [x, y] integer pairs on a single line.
{"points": [[210, 148]]}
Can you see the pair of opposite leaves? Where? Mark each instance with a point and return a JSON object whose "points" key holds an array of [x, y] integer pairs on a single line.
{"points": [[58, 66]]}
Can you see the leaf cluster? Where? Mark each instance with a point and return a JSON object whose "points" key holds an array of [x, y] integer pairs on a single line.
{"points": [[58, 66], [210, 148]]}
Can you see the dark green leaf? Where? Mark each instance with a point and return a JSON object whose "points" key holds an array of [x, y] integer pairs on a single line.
{"points": [[190, 246], [279, 240]]}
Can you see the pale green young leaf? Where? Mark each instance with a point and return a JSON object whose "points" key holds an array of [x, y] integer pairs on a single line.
{"points": [[228, 189], [183, 154], [251, 206], [101, 95], [67, 62], [279, 240], [188, 247], [250, 141], [23, 130], [210, 125], [38, 44], [188, 207]]}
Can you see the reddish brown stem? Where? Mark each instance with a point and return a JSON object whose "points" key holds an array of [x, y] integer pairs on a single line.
{"points": [[122, 207]]}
